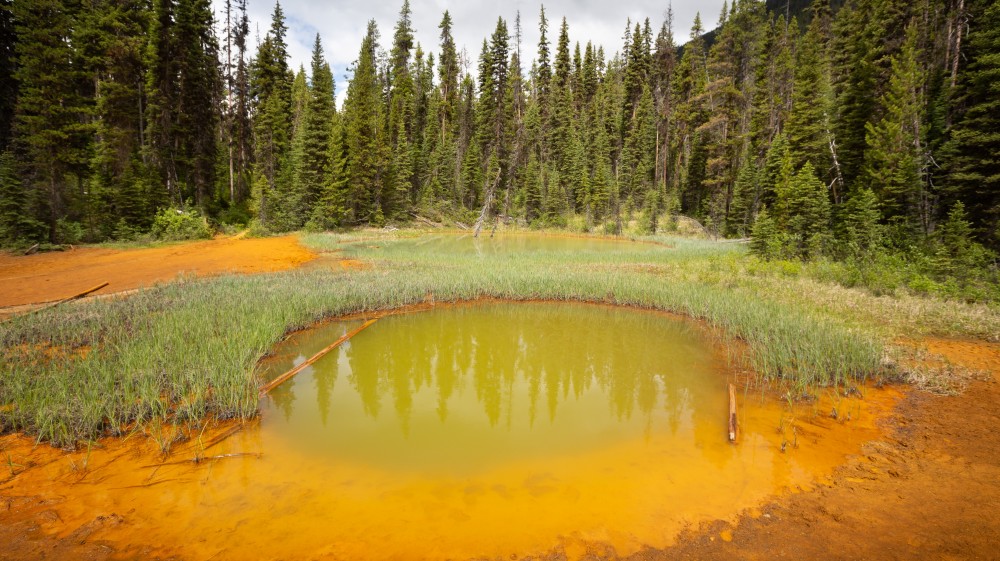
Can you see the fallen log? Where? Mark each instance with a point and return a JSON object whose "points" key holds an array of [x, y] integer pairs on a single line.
{"points": [[31, 249], [426, 221], [287, 375], [74, 297], [732, 413]]}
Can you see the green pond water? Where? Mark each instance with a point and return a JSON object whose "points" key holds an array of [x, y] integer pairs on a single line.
{"points": [[464, 388], [472, 431]]}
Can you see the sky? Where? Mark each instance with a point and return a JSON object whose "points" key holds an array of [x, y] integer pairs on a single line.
{"points": [[342, 24]]}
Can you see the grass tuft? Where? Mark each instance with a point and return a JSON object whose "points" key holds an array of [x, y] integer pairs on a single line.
{"points": [[177, 353]]}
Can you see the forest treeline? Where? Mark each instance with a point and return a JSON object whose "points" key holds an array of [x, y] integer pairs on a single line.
{"points": [[829, 130]]}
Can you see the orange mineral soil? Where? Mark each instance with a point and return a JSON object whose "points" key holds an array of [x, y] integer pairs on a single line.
{"points": [[252, 496], [52, 276], [925, 486]]}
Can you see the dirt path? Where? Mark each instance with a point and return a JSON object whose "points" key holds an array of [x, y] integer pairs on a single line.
{"points": [[52, 276]]}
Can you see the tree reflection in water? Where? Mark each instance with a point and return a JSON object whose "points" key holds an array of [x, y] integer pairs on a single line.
{"points": [[472, 380]]}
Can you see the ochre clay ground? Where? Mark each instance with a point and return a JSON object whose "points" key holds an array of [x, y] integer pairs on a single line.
{"points": [[52, 276], [928, 489]]}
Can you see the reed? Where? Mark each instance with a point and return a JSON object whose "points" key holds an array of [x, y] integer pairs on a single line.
{"points": [[189, 349]]}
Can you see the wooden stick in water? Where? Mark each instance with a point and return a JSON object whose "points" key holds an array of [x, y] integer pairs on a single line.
{"points": [[732, 413], [287, 375]]}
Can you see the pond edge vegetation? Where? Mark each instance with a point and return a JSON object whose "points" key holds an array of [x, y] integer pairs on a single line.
{"points": [[187, 350]]}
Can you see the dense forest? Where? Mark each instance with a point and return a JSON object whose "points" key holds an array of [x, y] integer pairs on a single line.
{"points": [[822, 129]]}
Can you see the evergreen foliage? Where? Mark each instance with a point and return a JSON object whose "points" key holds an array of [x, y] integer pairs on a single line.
{"points": [[973, 152], [859, 131]]}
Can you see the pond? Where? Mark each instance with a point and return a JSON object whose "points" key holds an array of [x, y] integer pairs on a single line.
{"points": [[479, 430]]}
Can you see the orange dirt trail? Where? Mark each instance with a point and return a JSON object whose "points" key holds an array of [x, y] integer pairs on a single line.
{"points": [[52, 276]]}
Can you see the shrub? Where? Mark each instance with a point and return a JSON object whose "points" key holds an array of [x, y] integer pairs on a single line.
{"points": [[68, 231], [174, 224]]}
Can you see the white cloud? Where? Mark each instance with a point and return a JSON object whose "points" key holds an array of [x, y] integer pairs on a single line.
{"points": [[342, 24]]}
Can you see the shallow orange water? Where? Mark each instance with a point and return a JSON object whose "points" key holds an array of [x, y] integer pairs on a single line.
{"points": [[263, 494]]}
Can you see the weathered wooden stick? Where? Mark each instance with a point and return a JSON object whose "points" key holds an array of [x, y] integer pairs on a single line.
{"points": [[74, 297], [732, 413], [31, 249], [284, 377], [226, 434]]}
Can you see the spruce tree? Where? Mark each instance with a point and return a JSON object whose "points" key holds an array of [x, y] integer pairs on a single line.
{"points": [[240, 134], [236, 126], [366, 137], [271, 91], [183, 90], [856, 51], [315, 173], [766, 238], [957, 254], [448, 77], [199, 92], [115, 36], [894, 160], [688, 87], [860, 228], [16, 224], [809, 126], [52, 137], [162, 100], [973, 153], [8, 82], [805, 212], [400, 187]]}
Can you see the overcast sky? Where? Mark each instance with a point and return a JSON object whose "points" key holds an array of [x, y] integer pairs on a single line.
{"points": [[342, 23]]}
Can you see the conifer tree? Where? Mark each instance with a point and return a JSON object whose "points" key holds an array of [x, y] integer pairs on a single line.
{"points": [[973, 153], [860, 228], [315, 173], [241, 133], [894, 160], [16, 223], [236, 125], [515, 132], [109, 43], [957, 253], [856, 50], [50, 136], [543, 73], [766, 239], [448, 77], [366, 136], [637, 162], [663, 67], [8, 82], [199, 92], [747, 194], [400, 188], [803, 212], [687, 89], [271, 90], [809, 126]]}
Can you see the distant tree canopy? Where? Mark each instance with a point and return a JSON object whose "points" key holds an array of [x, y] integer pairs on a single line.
{"points": [[853, 123]]}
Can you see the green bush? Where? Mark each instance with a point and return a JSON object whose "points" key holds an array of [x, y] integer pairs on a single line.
{"points": [[257, 229], [174, 224], [69, 232]]}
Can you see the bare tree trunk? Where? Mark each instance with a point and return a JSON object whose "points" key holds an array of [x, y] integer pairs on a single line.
{"points": [[487, 203], [839, 176], [959, 27]]}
